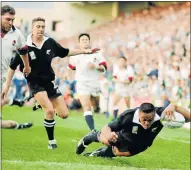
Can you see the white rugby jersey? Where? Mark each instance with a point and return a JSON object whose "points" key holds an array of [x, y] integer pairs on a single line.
{"points": [[80, 64], [12, 42], [122, 75]]}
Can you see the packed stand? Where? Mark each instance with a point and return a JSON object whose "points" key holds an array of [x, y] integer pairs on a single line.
{"points": [[156, 43]]}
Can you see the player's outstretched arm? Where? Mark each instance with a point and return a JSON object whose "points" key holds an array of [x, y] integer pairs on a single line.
{"points": [[171, 108], [184, 112], [7, 83], [82, 51], [107, 136]]}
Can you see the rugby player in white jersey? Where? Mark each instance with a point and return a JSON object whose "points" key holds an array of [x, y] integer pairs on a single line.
{"points": [[122, 77], [88, 68], [12, 42]]}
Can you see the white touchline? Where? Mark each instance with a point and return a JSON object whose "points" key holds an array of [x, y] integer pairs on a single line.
{"points": [[77, 164], [177, 140], [60, 164]]}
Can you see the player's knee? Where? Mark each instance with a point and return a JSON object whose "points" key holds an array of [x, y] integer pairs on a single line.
{"points": [[50, 113], [12, 124], [64, 115], [8, 124]]}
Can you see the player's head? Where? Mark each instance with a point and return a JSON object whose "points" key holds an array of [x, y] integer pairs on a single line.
{"points": [[146, 114], [84, 40], [122, 62], [38, 27], [7, 18]]}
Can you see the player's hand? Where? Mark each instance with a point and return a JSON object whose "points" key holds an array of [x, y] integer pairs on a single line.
{"points": [[4, 93], [113, 137], [169, 112], [27, 70], [91, 51], [95, 50]]}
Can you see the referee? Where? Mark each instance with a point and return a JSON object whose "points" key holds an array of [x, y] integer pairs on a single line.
{"points": [[41, 80], [133, 132]]}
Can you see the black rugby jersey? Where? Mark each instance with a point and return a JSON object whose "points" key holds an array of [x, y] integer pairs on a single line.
{"points": [[40, 60], [131, 133]]}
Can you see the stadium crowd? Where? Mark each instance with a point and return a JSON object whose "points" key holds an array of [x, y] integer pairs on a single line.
{"points": [[156, 44]]}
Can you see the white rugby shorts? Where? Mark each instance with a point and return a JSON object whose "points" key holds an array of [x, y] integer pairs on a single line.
{"points": [[88, 88]]}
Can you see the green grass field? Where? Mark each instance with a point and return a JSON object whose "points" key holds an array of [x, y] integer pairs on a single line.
{"points": [[27, 149]]}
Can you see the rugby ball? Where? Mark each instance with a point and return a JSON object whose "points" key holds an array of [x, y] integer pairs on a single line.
{"points": [[177, 122]]}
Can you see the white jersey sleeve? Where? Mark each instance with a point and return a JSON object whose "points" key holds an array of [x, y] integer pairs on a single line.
{"points": [[102, 60], [131, 73], [72, 63], [115, 70], [21, 44]]}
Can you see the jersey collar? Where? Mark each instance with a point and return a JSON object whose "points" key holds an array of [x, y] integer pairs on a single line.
{"points": [[30, 43], [136, 117], [12, 30]]}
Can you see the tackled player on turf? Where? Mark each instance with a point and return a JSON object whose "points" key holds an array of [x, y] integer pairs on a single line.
{"points": [[133, 131]]}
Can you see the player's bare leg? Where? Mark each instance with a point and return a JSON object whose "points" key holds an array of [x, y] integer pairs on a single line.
{"points": [[95, 103], [115, 100], [10, 124], [3, 102], [118, 153], [60, 107], [49, 122], [127, 101]]}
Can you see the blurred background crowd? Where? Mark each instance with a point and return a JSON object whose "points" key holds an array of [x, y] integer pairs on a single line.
{"points": [[156, 43]]}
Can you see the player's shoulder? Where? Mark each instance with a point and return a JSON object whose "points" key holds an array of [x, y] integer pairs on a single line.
{"points": [[128, 113], [50, 39], [17, 31]]}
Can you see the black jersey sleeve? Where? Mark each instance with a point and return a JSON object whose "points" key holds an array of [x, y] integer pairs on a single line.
{"points": [[15, 61], [59, 50], [124, 119], [159, 110], [115, 125]]}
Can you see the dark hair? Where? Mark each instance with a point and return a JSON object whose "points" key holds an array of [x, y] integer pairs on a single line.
{"points": [[7, 9], [147, 108], [38, 19], [123, 58], [83, 34]]}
